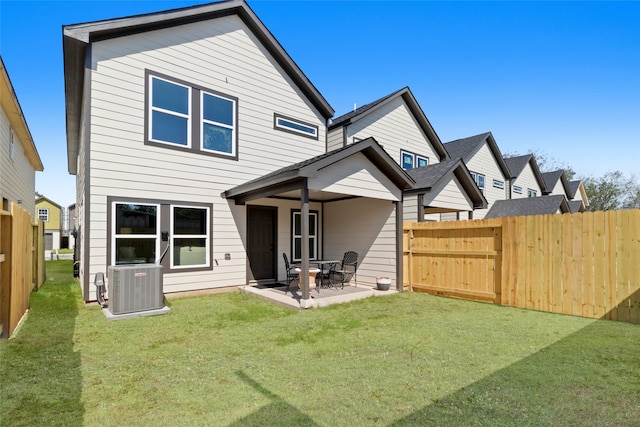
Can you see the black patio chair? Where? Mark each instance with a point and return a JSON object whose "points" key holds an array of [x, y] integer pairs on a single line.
{"points": [[340, 273], [292, 274]]}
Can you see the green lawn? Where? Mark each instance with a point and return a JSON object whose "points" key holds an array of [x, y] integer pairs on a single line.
{"points": [[229, 359]]}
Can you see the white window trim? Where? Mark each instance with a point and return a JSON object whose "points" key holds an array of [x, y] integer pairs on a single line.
{"points": [[234, 145], [206, 236], [170, 112], [413, 159], [295, 236], [44, 211], [114, 236], [418, 158]]}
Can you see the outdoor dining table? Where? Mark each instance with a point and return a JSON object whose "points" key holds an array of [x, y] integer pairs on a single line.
{"points": [[324, 274]]}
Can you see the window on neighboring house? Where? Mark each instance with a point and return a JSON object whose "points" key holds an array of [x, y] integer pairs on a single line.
{"points": [[43, 214], [410, 160], [172, 111], [190, 237], [479, 180], [517, 189], [531, 193], [296, 235], [138, 234], [295, 126], [498, 184]]}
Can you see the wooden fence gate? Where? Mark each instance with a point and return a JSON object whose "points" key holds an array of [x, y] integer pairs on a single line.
{"points": [[21, 265], [584, 264]]}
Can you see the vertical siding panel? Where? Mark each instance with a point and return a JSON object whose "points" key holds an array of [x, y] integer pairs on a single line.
{"points": [[611, 256], [601, 307], [622, 265], [634, 268], [567, 262], [587, 271], [576, 265], [556, 263]]}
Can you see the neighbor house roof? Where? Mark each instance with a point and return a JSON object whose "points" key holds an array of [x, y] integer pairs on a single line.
{"points": [[575, 206], [290, 177], [45, 199], [77, 37], [430, 176], [12, 109], [466, 148], [542, 205], [551, 179], [412, 104], [517, 164]]}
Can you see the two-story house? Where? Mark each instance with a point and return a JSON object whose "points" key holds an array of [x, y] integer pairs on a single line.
{"points": [[526, 178], [19, 158], [443, 186], [199, 144], [488, 169], [50, 213]]}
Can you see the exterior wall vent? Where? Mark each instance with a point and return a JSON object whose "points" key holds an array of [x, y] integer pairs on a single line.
{"points": [[135, 287]]}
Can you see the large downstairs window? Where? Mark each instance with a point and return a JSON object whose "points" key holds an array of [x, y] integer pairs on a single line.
{"points": [[142, 232], [187, 117]]}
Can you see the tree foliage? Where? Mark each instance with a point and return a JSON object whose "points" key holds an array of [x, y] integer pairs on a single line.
{"points": [[613, 190]]}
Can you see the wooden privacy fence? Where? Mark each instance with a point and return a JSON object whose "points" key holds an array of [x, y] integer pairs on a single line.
{"points": [[21, 265], [583, 264]]}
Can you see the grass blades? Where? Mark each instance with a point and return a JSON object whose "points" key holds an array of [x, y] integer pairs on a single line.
{"points": [[233, 360]]}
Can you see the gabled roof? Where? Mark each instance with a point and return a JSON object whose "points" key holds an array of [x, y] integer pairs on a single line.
{"points": [[466, 148], [45, 199], [576, 186], [517, 164], [430, 176], [11, 106], [76, 38], [543, 205], [412, 104], [551, 179], [576, 206], [291, 177]]}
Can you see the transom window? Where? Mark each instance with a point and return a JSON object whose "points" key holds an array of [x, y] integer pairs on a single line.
{"points": [[517, 189], [43, 214], [410, 160], [295, 126], [296, 235], [498, 184], [173, 107]]}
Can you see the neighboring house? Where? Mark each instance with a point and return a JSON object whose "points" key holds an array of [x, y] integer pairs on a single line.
{"points": [[193, 130], [526, 178], [19, 158], [578, 199], [50, 213], [72, 225], [557, 183], [483, 158], [555, 204], [399, 124]]}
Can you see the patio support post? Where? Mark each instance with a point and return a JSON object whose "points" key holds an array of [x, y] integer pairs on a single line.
{"points": [[304, 250], [399, 248]]}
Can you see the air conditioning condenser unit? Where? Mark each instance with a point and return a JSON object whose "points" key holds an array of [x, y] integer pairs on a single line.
{"points": [[135, 287]]}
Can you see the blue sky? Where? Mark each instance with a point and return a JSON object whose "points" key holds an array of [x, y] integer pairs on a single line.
{"points": [[559, 77]]}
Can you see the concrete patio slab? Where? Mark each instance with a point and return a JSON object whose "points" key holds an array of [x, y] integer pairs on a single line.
{"points": [[324, 297]]}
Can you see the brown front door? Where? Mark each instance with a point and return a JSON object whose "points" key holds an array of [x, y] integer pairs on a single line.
{"points": [[261, 242]]}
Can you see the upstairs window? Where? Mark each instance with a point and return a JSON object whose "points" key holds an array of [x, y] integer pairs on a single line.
{"points": [[410, 160], [43, 214], [479, 180], [295, 126], [517, 189], [498, 184], [531, 193], [170, 112], [187, 117]]}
